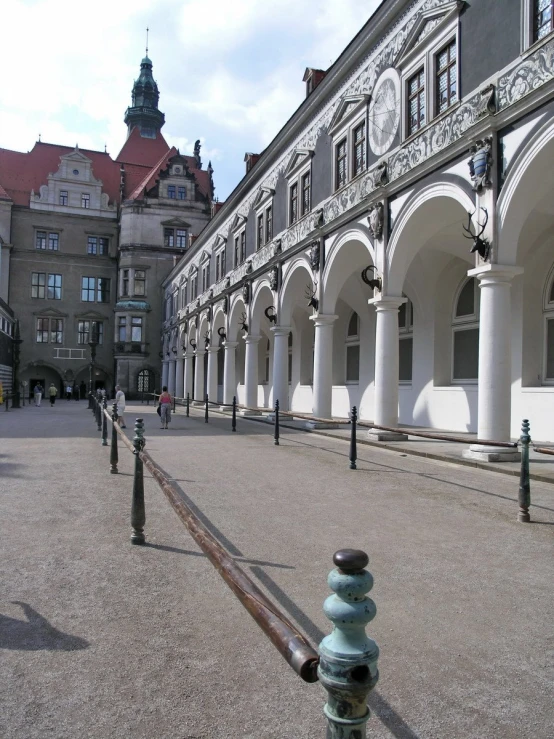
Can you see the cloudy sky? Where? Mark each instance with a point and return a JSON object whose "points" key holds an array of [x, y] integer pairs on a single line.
{"points": [[229, 73]]}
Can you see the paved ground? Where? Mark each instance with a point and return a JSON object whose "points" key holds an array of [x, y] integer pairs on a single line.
{"points": [[101, 639]]}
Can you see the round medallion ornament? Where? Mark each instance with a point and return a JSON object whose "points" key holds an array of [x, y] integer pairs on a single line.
{"points": [[177, 170], [384, 112]]}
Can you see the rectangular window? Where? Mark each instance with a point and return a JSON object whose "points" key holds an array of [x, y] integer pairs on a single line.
{"points": [[359, 149], [268, 224], [103, 245], [405, 355], [543, 15], [340, 164], [169, 237], [122, 329], [260, 230], [136, 329], [38, 284], [103, 290], [92, 245], [84, 328], [447, 77], [416, 102], [43, 325], [171, 192], [205, 277], [237, 254], [181, 238], [40, 240], [64, 197], [242, 246], [218, 274], [125, 282], [140, 282], [306, 193], [88, 289], [466, 354], [53, 241], [54, 287], [293, 203], [194, 286], [353, 363], [181, 193], [85, 200]]}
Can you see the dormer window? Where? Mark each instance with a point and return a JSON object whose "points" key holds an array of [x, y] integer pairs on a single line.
{"points": [[171, 192], [85, 200]]}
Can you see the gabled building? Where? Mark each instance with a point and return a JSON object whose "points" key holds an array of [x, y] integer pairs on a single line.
{"points": [[86, 241]]}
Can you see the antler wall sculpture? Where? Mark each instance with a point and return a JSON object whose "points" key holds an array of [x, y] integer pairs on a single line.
{"points": [[311, 290], [480, 245]]}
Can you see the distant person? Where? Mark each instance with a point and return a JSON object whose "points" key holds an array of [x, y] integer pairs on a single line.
{"points": [[68, 391], [120, 402], [165, 407], [83, 389], [76, 391], [52, 392], [38, 391]]}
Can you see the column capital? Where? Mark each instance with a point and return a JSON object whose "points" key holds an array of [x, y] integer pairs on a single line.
{"points": [[281, 330], [387, 303], [321, 319], [200, 352], [252, 339], [491, 273], [230, 344], [212, 349]]}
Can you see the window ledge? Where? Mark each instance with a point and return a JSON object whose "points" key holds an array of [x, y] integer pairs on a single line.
{"points": [[458, 387], [431, 122], [539, 389]]}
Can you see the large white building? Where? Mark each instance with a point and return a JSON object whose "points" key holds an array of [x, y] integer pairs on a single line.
{"points": [[338, 272]]}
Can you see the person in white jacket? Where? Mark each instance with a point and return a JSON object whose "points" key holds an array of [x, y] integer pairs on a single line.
{"points": [[120, 401]]}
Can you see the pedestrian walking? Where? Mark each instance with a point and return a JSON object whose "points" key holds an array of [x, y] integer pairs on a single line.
{"points": [[38, 391], [68, 391], [165, 407], [52, 392], [120, 401]]}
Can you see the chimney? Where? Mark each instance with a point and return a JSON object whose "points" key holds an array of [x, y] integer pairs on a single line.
{"points": [[216, 207], [312, 78], [250, 160]]}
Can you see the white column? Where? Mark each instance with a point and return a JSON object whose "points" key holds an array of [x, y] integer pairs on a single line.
{"points": [[212, 373], [281, 366], [199, 376], [189, 359], [323, 365], [179, 378], [171, 377], [386, 367], [495, 361], [251, 373], [229, 380], [165, 370]]}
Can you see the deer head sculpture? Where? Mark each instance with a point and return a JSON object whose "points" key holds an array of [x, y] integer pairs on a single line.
{"points": [[271, 314], [242, 323], [480, 245], [311, 290], [375, 283], [207, 339]]}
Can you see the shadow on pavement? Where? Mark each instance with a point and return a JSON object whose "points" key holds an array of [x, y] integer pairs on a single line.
{"points": [[36, 633]]}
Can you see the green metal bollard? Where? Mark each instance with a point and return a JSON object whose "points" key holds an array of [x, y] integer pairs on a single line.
{"points": [[104, 422], [98, 414], [348, 657], [188, 404], [234, 414], [114, 456], [138, 512], [524, 497], [353, 451], [276, 431]]}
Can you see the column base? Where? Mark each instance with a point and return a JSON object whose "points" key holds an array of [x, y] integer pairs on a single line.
{"points": [[245, 413], [483, 453], [378, 435], [320, 425], [198, 403]]}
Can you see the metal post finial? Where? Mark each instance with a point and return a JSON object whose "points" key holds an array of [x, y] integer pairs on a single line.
{"points": [[348, 657]]}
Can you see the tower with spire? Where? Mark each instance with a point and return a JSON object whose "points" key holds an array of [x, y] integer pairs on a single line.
{"points": [[144, 113]]}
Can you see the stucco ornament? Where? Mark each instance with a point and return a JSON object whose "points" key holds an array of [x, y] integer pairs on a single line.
{"points": [[274, 278], [480, 163], [246, 292], [314, 256], [226, 305], [277, 248], [375, 220]]}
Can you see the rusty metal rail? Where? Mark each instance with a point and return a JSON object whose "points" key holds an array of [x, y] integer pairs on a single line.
{"points": [[544, 449], [440, 437], [294, 646]]}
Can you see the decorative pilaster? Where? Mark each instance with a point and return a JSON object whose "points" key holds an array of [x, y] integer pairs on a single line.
{"points": [[495, 362], [280, 366], [229, 380], [165, 372], [171, 377], [323, 366], [386, 367]]}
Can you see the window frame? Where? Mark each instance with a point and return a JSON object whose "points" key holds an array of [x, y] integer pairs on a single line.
{"points": [[51, 239], [54, 326], [352, 112], [86, 332], [548, 316], [63, 195], [172, 192], [467, 322], [97, 289], [38, 286], [293, 199], [528, 25], [138, 323], [355, 170], [85, 200], [54, 287], [352, 340]]}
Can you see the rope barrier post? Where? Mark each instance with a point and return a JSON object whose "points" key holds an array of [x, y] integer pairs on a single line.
{"points": [[276, 433], [138, 513], [348, 657], [524, 498], [174, 402], [206, 411], [353, 453], [188, 404], [234, 414], [114, 456], [98, 414], [104, 422]]}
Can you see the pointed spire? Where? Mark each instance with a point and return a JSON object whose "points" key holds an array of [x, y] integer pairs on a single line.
{"points": [[147, 29], [144, 113]]}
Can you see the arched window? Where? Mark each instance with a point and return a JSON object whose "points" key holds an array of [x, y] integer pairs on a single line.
{"points": [[145, 381], [290, 357], [353, 349], [406, 341], [465, 333], [549, 332]]}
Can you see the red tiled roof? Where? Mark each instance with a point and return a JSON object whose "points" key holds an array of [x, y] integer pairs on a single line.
{"points": [[139, 150], [3, 194], [150, 180]]}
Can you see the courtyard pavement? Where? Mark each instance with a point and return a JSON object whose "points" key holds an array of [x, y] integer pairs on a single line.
{"points": [[102, 639]]}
